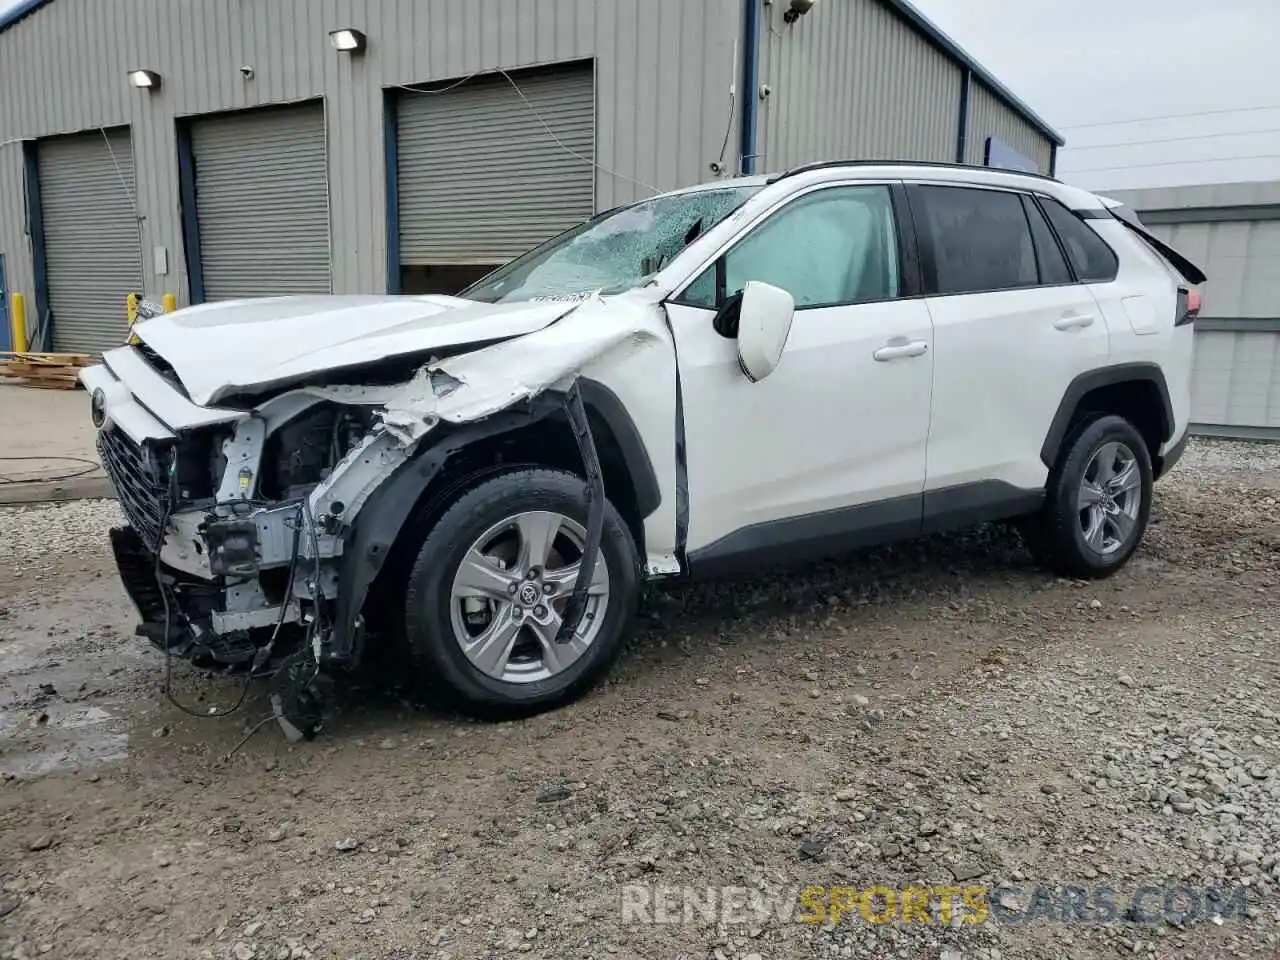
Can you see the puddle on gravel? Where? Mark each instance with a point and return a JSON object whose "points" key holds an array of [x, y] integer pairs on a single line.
{"points": [[60, 736], [68, 682]]}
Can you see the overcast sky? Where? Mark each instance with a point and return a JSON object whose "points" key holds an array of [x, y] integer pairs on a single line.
{"points": [[1094, 61], [1101, 60]]}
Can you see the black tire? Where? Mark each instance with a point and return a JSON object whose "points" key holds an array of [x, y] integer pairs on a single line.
{"points": [[437, 658], [1055, 535]]}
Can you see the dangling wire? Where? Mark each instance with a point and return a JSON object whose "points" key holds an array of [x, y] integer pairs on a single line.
{"points": [[263, 653]]}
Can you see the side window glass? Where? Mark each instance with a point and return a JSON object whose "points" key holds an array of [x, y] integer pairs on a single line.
{"points": [[1049, 258], [833, 246], [1093, 260], [702, 292], [980, 240]]}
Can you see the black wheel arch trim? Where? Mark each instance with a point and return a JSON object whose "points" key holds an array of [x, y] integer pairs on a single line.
{"points": [[377, 526], [1161, 465], [605, 404], [1092, 380]]}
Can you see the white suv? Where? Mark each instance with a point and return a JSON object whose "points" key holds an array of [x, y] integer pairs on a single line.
{"points": [[705, 382]]}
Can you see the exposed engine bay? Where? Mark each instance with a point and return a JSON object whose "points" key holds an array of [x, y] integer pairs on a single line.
{"points": [[304, 451]]}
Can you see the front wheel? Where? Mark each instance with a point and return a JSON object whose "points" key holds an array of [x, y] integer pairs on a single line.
{"points": [[487, 595], [1098, 503]]}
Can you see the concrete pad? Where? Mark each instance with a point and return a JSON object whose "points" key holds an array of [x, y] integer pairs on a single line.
{"points": [[44, 434]]}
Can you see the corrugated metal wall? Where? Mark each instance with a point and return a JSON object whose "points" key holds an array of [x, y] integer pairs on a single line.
{"points": [[13, 240], [480, 180], [664, 69], [91, 232], [852, 80], [1232, 232], [989, 117], [263, 202]]}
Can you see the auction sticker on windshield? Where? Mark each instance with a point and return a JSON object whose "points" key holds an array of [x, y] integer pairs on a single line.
{"points": [[565, 297]]}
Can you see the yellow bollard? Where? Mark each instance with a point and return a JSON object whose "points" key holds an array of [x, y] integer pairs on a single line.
{"points": [[19, 324], [170, 303], [131, 308]]}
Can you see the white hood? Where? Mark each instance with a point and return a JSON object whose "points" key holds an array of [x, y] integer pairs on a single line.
{"points": [[244, 346]]}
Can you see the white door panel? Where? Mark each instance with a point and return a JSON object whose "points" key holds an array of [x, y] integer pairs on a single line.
{"points": [[1002, 364], [832, 427], [1012, 330]]}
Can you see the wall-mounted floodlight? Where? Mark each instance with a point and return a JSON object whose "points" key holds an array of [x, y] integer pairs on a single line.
{"points": [[145, 79], [347, 40], [798, 9]]}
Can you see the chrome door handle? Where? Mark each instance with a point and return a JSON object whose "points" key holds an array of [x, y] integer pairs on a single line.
{"points": [[900, 347], [1074, 321]]}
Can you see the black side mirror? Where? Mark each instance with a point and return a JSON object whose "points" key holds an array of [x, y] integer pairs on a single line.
{"points": [[726, 319]]}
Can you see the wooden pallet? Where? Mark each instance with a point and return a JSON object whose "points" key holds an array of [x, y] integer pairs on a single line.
{"points": [[55, 371]]}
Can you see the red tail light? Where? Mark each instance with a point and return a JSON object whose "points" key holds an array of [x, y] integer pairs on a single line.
{"points": [[1188, 306]]}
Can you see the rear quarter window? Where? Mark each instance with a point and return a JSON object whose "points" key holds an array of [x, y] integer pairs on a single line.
{"points": [[1091, 258]]}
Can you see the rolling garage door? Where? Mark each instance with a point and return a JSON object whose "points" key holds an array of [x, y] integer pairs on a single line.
{"points": [[93, 254], [262, 202], [482, 179]]}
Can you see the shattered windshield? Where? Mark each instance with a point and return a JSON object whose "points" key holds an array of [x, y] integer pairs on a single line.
{"points": [[614, 251]]}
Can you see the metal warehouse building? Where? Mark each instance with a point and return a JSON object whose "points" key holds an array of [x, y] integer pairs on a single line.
{"points": [[1232, 232], [224, 148]]}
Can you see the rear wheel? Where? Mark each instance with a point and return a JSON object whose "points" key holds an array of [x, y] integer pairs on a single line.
{"points": [[487, 595], [1099, 500]]}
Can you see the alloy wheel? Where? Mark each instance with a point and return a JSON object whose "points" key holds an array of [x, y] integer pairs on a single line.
{"points": [[1110, 498], [509, 594]]}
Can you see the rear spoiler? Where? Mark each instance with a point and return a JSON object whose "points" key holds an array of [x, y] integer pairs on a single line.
{"points": [[1190, 272]]}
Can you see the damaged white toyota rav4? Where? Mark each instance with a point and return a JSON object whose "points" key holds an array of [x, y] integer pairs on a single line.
{"points": [[705, 382]]}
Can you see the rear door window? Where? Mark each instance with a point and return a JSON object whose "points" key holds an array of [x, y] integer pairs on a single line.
{"points": [[1091, 258], [975, 240]]}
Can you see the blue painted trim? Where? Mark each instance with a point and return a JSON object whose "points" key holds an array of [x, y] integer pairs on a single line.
{"points": [[934, 34], [188, 208], [962, 128], [6, 334], [391, 139], [23, 8], [750, 84], [41, 332]]}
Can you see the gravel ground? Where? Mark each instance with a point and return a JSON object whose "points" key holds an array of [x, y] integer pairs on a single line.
{"points": [[937, 715]]}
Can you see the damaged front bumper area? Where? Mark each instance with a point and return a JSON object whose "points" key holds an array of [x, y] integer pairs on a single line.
{"points": [[237, 520], [255, 543], [257, 536], [227, 582]]}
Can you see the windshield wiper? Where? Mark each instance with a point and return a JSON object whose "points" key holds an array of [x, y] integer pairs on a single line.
{"points": [[651, 265]]}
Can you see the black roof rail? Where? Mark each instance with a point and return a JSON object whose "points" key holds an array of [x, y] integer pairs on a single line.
{"points": [[830, 164]]}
